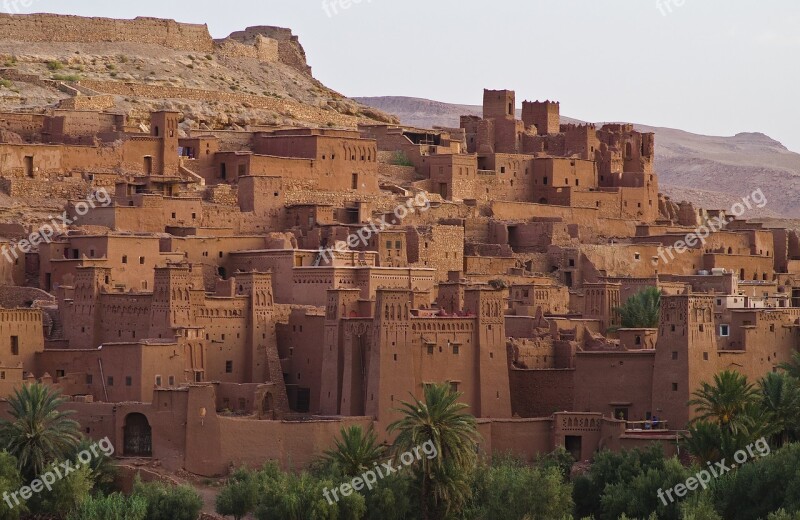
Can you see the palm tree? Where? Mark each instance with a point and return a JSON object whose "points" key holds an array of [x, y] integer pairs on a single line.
{"points": [[792, 368], [39, 433], [642, 310], [702, 441], [780, 397], [731, 414], [726, 403], [441, 423], [356, 452]]}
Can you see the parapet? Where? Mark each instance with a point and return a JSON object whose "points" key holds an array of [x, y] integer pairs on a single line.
{"points": [[77, 29]]}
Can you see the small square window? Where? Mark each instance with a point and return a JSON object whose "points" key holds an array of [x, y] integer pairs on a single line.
{"points": [[110, 381], [89, 379], [724, 330], [705, 356], [229, 367], [674, 387], [128, 381], [430, 349], [171, 380], [455, 349], [674, 354], [158, 380]]}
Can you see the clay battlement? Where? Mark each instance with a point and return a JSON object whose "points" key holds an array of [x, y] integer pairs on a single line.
{"points": [[61, 28], [270, 44]]}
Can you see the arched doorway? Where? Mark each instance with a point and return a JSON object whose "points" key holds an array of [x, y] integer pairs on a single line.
{"points": [[138, 436]]}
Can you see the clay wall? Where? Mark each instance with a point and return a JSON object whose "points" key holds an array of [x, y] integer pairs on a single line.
{"points": [[630, 386], [439, 247], [61, 28], [131, 370], [540, 392]]}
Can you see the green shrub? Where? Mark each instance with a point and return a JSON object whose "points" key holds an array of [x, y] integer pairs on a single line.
{"points": [[401, 159], [239, 496], [55, 65], [111, 507], [513, 490], [10, 481], [168, 502]]}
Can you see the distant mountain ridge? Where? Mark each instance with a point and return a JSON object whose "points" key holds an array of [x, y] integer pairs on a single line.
{"points": [[709, 171]]}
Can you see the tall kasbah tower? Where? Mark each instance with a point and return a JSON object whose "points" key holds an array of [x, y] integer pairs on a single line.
{"points": [[82, 327], [488, 305], [263, 360], [171, 305], [600, 301], [685, 355], [341, 304], [499, 104], [164, 126], [390, 369], [545, 116]]}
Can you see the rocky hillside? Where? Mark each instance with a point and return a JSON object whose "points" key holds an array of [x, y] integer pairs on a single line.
{"points": [[712, 172], [254, 77]]}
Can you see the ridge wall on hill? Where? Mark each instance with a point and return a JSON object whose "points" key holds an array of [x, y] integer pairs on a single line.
{"points": [[62, 28]]}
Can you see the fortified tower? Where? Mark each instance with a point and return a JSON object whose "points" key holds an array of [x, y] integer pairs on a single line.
{"points": [[171, 306], [685, 355], [490, 361], [164, 126], [341, 304], [83, 330], [544, 116], [499, 104]]}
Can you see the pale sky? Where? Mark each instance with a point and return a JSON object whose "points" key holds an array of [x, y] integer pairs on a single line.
{"points": [[715, 67]]}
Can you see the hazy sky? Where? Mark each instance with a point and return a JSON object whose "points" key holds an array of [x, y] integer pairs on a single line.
{"points": [[707, 66]]}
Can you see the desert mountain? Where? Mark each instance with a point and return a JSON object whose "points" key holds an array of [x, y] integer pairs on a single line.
{"points": [[711, 172], [254, 77]]}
